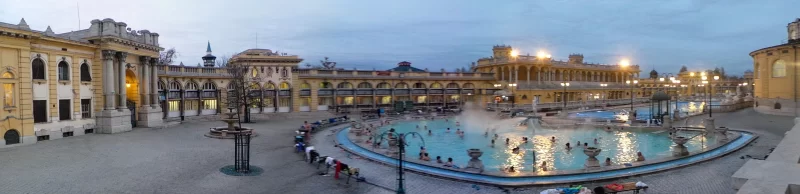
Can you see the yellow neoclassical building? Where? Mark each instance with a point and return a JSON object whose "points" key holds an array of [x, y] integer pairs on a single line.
{"points": [[66, 84], [525, 78], [775, 75]]}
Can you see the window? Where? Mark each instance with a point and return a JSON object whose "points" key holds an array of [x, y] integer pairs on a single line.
{"points": [[210, 104], [325, 85], [421, 99], [190, 105], [63, 71], [305, 101], [344, 85], [8, 75], [254, 73], [419, 85], [285, 72], [209, 90], [386, 100], [269, 86], [85, 76], [436, 85], [37, 69], [174, 106], [86, 108], [191, 90], [469, 85], [305, 85], [8, 91], [452, 85], [40, 111], [285, 102], [364, 85], [63, 110], [384, 85], [284, 86], [401, 86], [779, 69]]}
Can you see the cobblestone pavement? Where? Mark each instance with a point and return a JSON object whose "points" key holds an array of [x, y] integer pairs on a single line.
{"points": [[181, 160]]}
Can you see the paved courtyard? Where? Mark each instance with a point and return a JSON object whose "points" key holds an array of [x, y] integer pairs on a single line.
{"points": [[181, 160]]}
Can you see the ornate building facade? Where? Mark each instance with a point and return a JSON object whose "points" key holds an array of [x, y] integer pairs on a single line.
{"points": [[775, 75], [65, 84]]}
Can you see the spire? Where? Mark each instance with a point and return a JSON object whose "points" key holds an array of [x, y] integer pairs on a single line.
{"points": [[208, 48], [49, 32], [23, 25]]}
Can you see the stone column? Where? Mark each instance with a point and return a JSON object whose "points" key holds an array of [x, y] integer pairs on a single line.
{"points": [[108, 78], [153, 83], [144, 80], [121, 80]]}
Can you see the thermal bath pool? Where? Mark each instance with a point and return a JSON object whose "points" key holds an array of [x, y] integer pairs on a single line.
{"points": [[644, 112], [562, 165]]}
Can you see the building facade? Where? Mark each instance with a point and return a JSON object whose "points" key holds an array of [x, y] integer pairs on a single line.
{"points": [[65, 84], [540, 78], [775, 75]]}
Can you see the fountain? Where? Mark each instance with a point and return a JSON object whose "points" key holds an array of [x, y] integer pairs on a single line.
{"points": [[474, 164], [722, 134], [592, 161], [230, 131], [679, 149]]}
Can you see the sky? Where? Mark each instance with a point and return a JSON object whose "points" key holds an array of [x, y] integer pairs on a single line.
{"points": [[367, 34]]}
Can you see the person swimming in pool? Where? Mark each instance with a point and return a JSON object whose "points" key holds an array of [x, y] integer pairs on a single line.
{"points": [[553, 139], [492, 143], [568, 147], [507, 141], [448, 130]]}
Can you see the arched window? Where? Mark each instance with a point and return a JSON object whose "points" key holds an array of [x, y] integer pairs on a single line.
{"points": [[305, 85], [285, 86], [364, 85], [254, 73], [469, 85], [384, 85], [174, 86], [401, 85], [779, 69], [436, 85], [452, 85], [8, 75], [161, 85], [269, 86], [63, 71], [419, 85], [37, 68], [325, 85], [209, 86], [191, 86], [85, 75], [345, 85], [255, 86], [231, 86]]}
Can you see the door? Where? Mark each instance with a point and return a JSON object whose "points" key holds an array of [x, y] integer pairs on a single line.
{"points": [[40, 111], [63, 110], [11, 137]]}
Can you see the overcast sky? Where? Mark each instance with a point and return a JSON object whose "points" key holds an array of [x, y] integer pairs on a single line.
{"points": [[368, 34]]}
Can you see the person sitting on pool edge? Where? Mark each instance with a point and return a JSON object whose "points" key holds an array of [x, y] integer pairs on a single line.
{"points": [[449, 162], [439, 159], [511, 169], [425, 157], [639, 157], [608, 161], [543, 166], [421, 155]]}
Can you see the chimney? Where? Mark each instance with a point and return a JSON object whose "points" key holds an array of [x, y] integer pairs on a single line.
{"points": [[121, 29], [95, 29], [109, 27]]}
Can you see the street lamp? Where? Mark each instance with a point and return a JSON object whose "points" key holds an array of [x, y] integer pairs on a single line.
{"points": [[631, 83], [564, 95], [400, 140]]}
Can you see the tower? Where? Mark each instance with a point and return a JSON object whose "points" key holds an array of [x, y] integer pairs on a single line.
{"points": [[793, 30], [576, 58], [209, 60], [501, 51]]}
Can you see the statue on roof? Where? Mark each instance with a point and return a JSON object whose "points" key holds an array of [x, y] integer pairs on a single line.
{"points": [[327, 64]]}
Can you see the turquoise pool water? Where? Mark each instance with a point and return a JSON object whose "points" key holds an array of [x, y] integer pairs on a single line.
{"points": [[620, 146], [643, 113]]}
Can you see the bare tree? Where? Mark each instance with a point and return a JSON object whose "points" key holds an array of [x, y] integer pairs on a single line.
{"points": [[167, 57], [222, 61], [238, 92]]}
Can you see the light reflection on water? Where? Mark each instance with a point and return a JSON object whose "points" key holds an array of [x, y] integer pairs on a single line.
{"points": [[620, 146]]}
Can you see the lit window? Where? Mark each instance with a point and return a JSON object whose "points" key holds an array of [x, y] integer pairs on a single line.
{"points": [[209, 104], [8, 75], [779, 69], [254, 73], [284, 86], [8, 90], [174, 105]]}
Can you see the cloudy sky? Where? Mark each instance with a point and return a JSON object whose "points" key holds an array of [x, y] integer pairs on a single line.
{"points": [[368, 34]]}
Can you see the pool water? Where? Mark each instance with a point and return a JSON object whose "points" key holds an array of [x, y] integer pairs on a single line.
{"points": [[620, 146], [643, 112]]}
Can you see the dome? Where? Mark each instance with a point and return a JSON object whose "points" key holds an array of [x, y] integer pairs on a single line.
{"points": [[660, 96]]}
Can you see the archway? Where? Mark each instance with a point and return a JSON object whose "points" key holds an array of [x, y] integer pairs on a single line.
{"points": [[11, 137], [132, 94]]}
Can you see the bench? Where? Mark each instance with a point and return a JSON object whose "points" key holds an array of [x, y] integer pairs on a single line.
{"points": [[629, 186]]}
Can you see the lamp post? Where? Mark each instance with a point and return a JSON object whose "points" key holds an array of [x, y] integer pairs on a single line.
{"points": [[401, 144], [631, 84], [604, 93], [710, 87], [564, 95]]}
